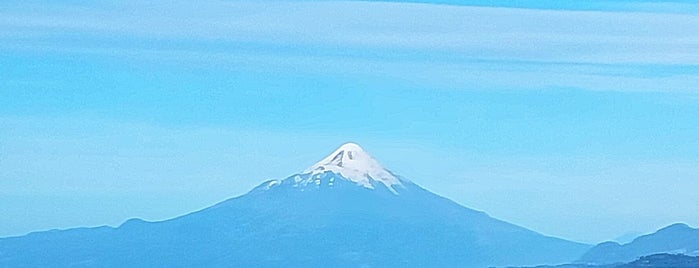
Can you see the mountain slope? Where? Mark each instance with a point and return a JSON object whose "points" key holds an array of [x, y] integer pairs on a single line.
{"points": [[663, 260], [676, 238], [345, 211]]}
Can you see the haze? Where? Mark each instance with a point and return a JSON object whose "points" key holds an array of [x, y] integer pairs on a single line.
{"points": [[575, 122]]}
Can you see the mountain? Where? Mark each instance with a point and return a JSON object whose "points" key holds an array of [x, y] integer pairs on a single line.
{"points": [[627, 237], [676, 238], [345, 211], [661, 260]]}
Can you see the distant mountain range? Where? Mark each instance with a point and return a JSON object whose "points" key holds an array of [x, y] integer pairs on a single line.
{"points": [[662, 260], [677, 238], [345, 211], [675, 246]]}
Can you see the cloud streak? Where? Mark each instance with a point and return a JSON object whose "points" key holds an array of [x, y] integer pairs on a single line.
{"points": [[437, 41]]}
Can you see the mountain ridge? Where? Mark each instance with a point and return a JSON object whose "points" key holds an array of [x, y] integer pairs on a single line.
{"points": [[311, 219], [674, 238]]}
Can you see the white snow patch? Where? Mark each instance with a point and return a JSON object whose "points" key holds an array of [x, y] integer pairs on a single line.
{"points": [[272, 184], [352, 162]]}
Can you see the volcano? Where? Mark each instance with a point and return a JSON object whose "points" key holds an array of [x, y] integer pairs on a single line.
{"points": [[347, 210]]}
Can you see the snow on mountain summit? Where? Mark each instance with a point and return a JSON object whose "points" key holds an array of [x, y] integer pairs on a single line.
{"points": [[352, 162], [349, 163]]}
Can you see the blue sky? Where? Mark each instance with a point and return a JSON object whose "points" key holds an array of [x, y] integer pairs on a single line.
{"points": [[575, 119]]}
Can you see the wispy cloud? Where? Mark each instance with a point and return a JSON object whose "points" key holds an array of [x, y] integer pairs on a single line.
{"points": [[427, 43]]}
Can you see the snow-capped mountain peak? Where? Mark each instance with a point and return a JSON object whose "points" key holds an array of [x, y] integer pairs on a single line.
{"points": [[353, 163], [348, 164], [347, 207]]}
